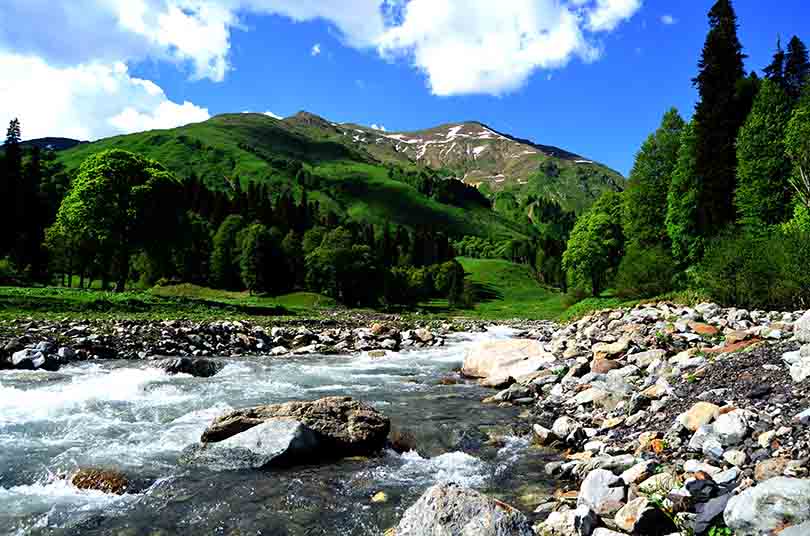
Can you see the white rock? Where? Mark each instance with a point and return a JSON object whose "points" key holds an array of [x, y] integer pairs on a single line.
{"points": [[768, 507], [802, 328], [731, 428], [601, 491]]}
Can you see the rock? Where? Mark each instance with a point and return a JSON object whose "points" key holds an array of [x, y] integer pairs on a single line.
{"points": [[802, 328], [501, 359], [450, 509], [585, 521], [423, 335], [566, 427], [803, 417], [603, 366], [800, 370], [199, 368], [699, 414], [65, 355], [731, 428], [602, 531], [638, 472], [661, 484], [108, 481], [640, 516], [703, 329], [32, 359], [379, 497], [602, 492], [644, 359], [603, 350], [345, 426], [802, 529], [736, 458], [558, 524], [769, 507], [589, 396], [770, 468], [709, 513], [277, 442], [542, 436]]}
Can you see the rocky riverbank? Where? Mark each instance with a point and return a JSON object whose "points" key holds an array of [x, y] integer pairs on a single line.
{"points": [[669, 420], [46, 345]]}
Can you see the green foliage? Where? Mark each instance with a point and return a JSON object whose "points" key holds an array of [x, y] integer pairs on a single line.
{"points": [[797, 146], [255, 258], [225, 253], [682, 201], [763, 271], [645, 272], [596, 244], [797, 68], [763, 191], [645, 200], [118, 203]]}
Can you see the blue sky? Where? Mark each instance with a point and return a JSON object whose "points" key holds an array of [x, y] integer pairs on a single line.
{"points": [[590, 76]]}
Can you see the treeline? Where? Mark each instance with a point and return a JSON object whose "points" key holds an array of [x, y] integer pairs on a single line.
{"points": [[720, 203], [125, 218]]}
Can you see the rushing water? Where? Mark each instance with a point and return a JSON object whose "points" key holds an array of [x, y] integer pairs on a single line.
{"points": [[129, 416]]}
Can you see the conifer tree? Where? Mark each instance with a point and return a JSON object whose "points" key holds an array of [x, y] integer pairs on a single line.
{"points": [[775, 72], [718, 117], [10, 187], [645, 202], [797, 68], [763, 170], [682, 207]]}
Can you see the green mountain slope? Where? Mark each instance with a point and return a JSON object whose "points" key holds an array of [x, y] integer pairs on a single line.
{"points": [[345, 179]]}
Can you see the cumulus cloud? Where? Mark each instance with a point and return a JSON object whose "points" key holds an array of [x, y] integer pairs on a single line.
{"points": [[381, 128], [316, 49], [606, 15], [91, 100], [669, 20]]}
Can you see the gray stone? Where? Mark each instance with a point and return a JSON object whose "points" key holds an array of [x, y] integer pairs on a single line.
{"points": [[802, 328], [449, 509], [601, 491], [275, 442], [731, 428], [200, 368], [772, 505], [585, 521]]}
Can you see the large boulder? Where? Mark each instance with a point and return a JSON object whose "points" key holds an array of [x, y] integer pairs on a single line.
{"points": [[802, 328], [450, 509], [602, 492], [514, 358], [277, 442], [345, 427], [33, 359], [773, 505], [200, 368]]}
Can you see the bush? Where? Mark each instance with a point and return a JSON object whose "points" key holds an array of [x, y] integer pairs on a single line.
{"points": [[763, 271], [645, 272], [574, 296]]}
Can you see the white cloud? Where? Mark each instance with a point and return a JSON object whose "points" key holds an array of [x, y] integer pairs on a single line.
{"points": [[669, 20], [316, 49], [606, 15], [271, 114], [86, 102], [479, 46], [381, 128]]}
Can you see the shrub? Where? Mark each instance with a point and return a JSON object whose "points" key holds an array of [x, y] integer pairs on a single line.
{"points": [[764, 271], [645, 272]]}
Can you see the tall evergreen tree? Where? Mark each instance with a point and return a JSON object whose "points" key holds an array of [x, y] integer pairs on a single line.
{"points": [[682, 207], [718, 117], [645, 202], [763, 170], [10, 187], [797, 68], [775, 72]]}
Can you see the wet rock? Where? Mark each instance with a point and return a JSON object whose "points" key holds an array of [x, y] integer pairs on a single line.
{"points": [[277, 442], [200, 368], [32, 359], [453, 509], [348, 427], [501, 359], [106, 480], [771, 506]]}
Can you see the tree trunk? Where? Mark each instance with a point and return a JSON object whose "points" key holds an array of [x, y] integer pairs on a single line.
{"points": [[81, 277], [122, 271]]}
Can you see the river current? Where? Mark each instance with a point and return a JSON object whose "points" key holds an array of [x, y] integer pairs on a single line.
{"points": [[129, 416]]}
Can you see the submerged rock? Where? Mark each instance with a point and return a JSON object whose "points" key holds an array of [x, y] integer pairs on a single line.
{"points": [[345, 427], [106, 480], [201, 368], [277, 442], [446, 509]]}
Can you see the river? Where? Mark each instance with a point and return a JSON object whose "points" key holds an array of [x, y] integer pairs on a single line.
{"points": [[132, 417]]}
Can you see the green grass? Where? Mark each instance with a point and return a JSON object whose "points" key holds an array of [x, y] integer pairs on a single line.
{"points": [[505, 290]]}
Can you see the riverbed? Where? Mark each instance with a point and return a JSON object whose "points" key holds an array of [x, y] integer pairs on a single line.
{"points": [[130, 416]]}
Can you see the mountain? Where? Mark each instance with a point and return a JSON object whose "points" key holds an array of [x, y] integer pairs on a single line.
{"points": [[492, 161], [53, 144], [372, 175]]}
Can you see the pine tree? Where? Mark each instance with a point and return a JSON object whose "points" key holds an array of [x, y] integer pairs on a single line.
{"points": [[775, 72], [10, 187], [718, 117], [763, 170], [645, 202], [797, 68]]}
